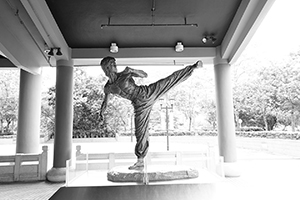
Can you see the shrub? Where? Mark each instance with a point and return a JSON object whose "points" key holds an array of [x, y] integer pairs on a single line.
{"points": [[102, 133], [270, 134], [251, 129]]}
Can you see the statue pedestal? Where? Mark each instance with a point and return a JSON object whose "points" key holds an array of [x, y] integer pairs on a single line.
{"points": [[154, 173]]}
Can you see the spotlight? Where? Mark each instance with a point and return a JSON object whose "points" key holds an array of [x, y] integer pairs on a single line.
{"points": [[51, 52], [179, 47], [213, 40], [114, 48], [210, 37], [58, 52], [46, 51]]}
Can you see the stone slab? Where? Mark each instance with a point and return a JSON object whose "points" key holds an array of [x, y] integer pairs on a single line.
{"points": [[154, 173]]}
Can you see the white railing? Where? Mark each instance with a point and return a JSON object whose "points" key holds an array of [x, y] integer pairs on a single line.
{"points": [[23, 167], [83, 162]]}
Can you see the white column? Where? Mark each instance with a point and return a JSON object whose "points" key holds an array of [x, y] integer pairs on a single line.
{"points": [[225, 117], [63, 120], [29, 116]]}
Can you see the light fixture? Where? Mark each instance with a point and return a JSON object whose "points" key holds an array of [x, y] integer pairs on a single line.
{"points": [[185, 24], [46, 49], [50, 52], [102, 26], [58, 52], [114, 48], [179, 47], [210, 37]]}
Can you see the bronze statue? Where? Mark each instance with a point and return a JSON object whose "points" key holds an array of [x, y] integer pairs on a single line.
{"points": [[142, 97]]}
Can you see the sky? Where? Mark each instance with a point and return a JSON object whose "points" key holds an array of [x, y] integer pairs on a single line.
{"points": [[279, 32]]}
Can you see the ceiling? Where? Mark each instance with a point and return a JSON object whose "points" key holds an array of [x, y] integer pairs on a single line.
{"points": [[146, 31], [82, 23]]}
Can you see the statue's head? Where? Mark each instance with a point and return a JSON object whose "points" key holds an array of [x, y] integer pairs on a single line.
{"points": [[108, 65]]}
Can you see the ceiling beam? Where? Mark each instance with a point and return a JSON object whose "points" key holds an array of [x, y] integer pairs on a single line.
{"points": [[245, 23], [144, 52], [20, 42], [145, 56], [5, 63], [46, 24]]}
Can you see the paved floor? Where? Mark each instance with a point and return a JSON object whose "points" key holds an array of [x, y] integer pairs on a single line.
{"points": [[28, 191], [269, 179], [264, 175]]}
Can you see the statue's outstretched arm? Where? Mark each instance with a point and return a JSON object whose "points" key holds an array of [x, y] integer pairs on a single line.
{"points": [[136, 72]]}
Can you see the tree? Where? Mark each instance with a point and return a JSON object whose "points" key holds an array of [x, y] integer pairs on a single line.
{"points": [[48, 113], [186, 102], [9, 86], [191, 94], [209, 108], [288, 78], [88, 97], [256, 99], [270, 95]]}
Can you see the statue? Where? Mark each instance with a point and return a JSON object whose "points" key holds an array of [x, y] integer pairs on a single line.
{"points": [[142, 97]]}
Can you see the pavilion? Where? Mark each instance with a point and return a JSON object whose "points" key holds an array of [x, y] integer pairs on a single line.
{"points": [[65, 34]]}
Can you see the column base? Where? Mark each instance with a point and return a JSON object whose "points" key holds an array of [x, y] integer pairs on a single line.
{"points": [[56, 175], [231, 169]]}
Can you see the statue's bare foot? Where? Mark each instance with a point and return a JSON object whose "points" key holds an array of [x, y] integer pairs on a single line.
{"points": [[139, 165]]}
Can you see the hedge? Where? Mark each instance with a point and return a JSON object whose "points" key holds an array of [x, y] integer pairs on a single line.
{"points": [[247, 134], [270, 134]]}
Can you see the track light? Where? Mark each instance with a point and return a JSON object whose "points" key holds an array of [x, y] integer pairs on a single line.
{"points": [[179, 47], [114, 48], [50, 52], [207, 38], [58, 52]]}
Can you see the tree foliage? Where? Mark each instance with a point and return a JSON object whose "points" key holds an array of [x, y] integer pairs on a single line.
{"points": [[9, 87], [48, 112], [87, 99], [194, 97], [271, 95]]}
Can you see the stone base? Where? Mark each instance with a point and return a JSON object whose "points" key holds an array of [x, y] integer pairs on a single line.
{"points": [[231, 169], [56, 175], [154, 172]]}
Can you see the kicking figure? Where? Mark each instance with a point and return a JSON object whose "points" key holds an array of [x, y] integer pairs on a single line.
{"points": [[142, 97]]}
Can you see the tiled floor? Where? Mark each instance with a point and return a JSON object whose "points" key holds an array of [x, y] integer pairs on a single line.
{"points": [[273, 178], [28, 191]]}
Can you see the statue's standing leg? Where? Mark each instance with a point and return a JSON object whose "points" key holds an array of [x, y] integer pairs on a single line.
{"points": [[141, 132], [142, 118]]}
